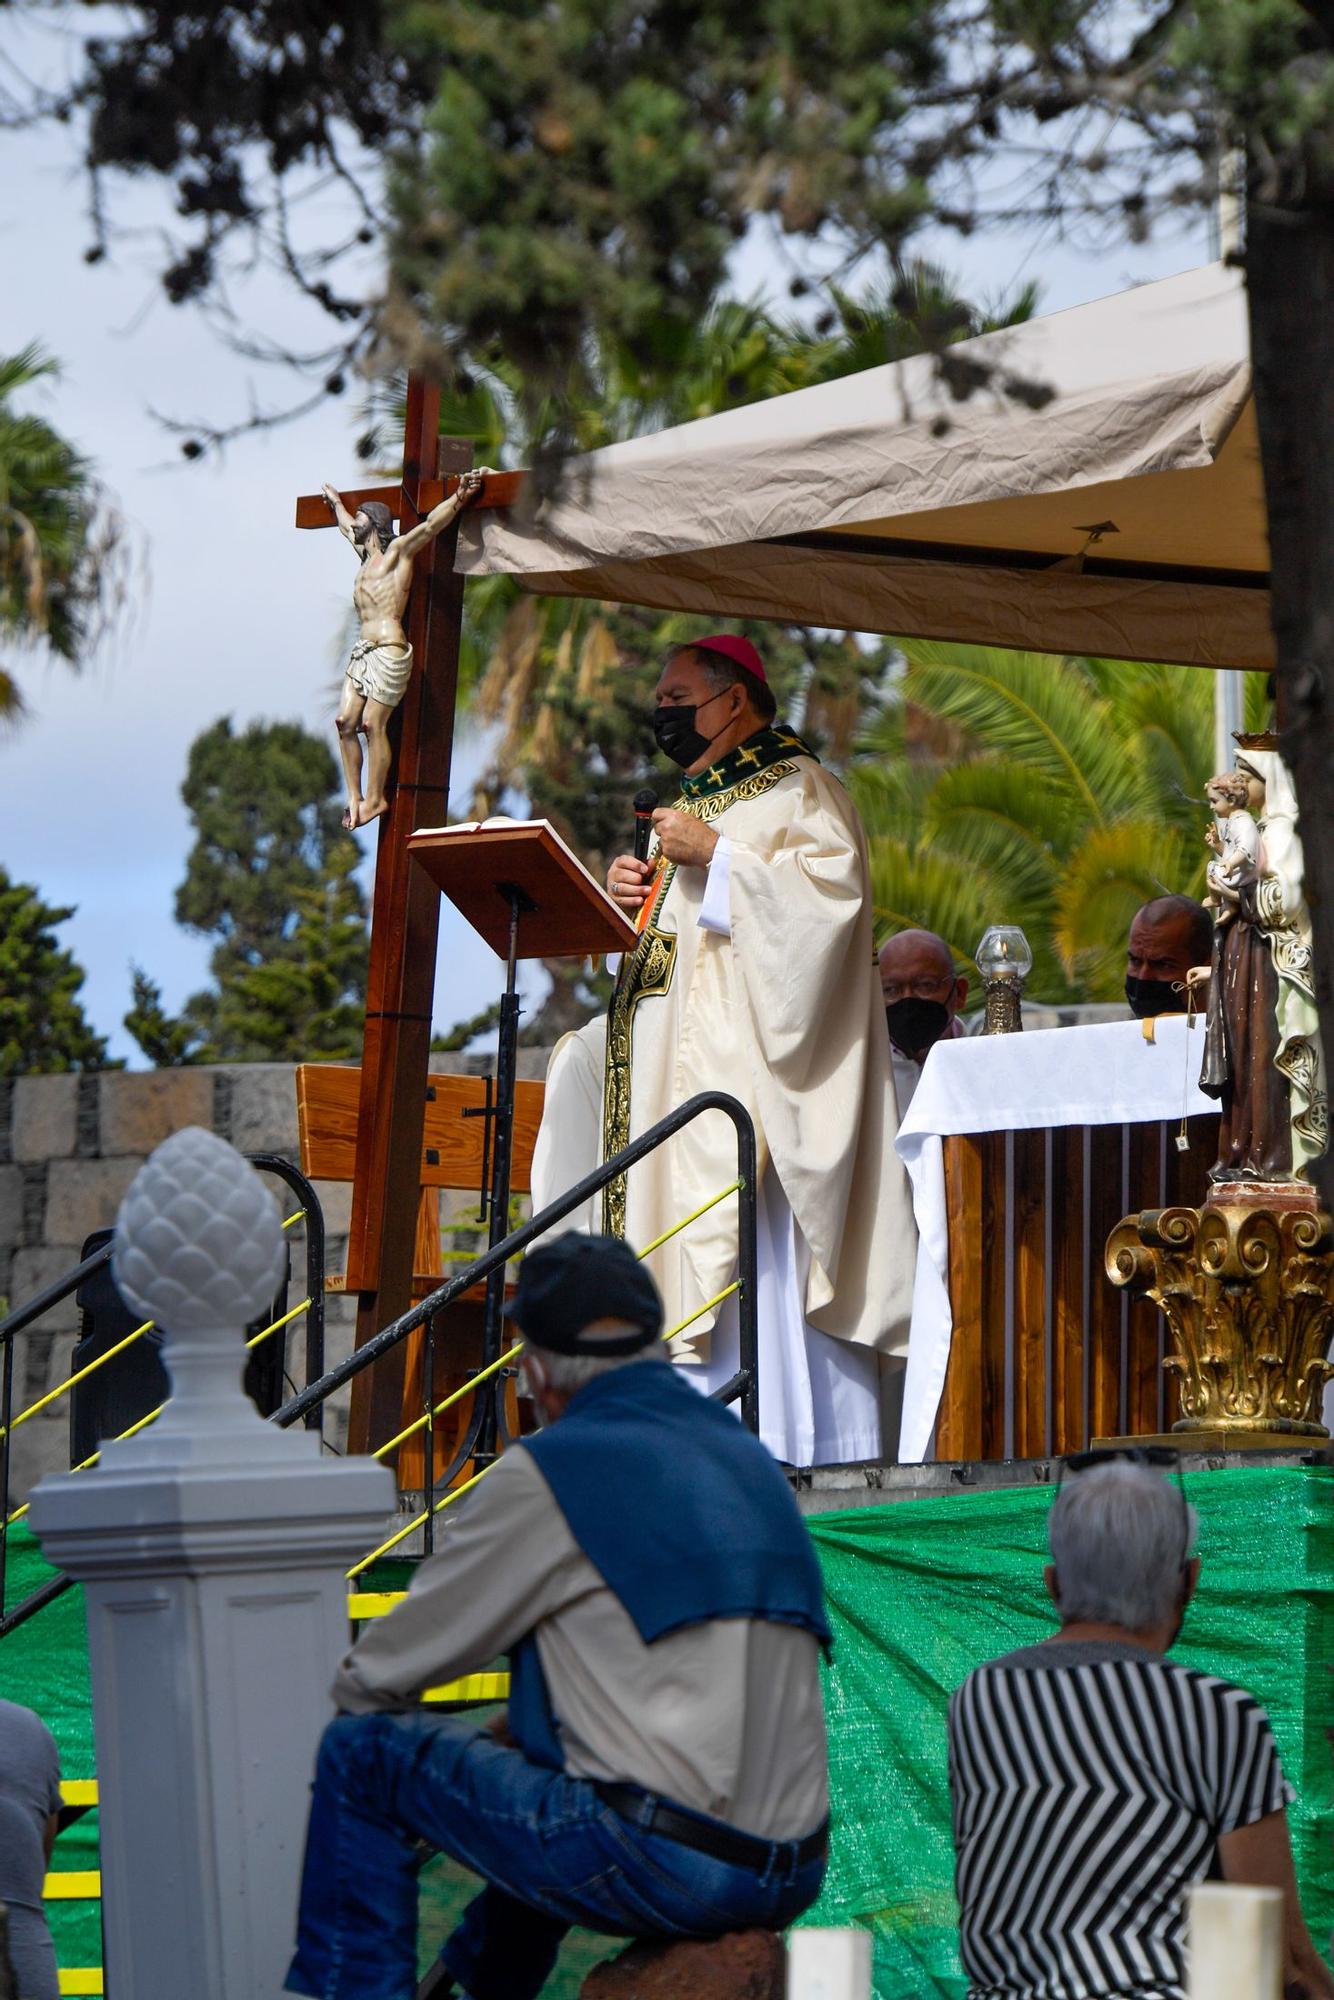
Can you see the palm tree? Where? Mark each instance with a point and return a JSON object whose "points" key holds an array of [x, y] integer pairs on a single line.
{"points": [[1058, 794], [61, 550]]}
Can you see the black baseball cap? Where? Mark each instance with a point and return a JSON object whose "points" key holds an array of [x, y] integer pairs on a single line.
{"points": [[566, 1284]]}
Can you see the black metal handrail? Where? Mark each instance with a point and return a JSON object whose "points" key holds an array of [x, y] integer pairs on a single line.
{"points": [[743, 1386], [303, 1189], [53, 1294]]}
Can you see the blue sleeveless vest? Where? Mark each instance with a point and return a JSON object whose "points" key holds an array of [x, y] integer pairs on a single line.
{"points": [[684, 1515]]}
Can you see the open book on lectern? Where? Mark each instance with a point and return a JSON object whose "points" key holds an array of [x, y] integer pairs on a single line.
{"points": [[564, 912]]}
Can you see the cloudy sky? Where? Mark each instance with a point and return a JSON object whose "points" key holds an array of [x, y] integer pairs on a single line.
{"points": [[242, 615]]}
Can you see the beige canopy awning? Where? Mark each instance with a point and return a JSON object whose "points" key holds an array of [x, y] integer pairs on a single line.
{"points": [[1122, 516]]}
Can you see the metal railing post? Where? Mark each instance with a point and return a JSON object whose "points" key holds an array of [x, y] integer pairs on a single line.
{"points": [[502, 1144], [748, 1340], [313, 1213], [51, 1295], [428, 1467]]}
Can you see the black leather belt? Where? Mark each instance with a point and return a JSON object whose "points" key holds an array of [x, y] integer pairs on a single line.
{"points": [[707, 1836]]}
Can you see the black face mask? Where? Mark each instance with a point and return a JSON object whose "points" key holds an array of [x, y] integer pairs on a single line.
{"points": [[914, 1025], [1149, 997], [675, 733]]}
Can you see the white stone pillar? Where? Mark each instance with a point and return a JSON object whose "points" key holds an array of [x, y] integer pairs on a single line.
{"points": [[212, 1548]]}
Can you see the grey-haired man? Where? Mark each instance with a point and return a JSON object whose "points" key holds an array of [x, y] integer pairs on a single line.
{"points": [[663, 1771], [1094, 1781]]}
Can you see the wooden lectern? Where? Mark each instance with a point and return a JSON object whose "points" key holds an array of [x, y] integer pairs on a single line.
{"points": [[529, 896]]}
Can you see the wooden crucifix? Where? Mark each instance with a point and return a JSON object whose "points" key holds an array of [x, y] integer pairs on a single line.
{"points": [[406, 908]]}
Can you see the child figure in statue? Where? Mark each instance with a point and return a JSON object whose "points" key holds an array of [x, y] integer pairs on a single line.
{"points": [[381, 662], [1234, 835]]}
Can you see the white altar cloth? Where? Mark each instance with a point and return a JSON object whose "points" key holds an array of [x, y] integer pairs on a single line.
{"points": [[1107, 1074]]}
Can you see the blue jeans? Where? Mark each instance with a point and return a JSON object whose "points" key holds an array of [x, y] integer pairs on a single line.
{"points": [[551, 1853]]}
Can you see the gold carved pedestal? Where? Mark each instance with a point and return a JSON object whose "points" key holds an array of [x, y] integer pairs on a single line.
{"points": [[1247, 1287]]}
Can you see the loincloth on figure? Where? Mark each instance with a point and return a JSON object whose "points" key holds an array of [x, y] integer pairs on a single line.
{"points": [[381, 672]]}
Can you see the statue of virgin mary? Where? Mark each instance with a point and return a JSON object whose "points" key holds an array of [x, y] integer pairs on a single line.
{"points": [[1262, 1056]]}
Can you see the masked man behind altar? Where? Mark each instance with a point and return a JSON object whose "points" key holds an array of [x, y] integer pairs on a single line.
{"points": [[755, 974]]}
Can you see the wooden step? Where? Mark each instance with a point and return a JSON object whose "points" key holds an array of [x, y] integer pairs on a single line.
{"points": [[743, 1965]]}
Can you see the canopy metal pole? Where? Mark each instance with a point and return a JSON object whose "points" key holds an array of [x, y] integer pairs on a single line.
{"points": [[1229, 716]]}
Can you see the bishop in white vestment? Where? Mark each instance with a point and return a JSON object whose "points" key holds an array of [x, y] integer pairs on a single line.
{"points": [[754, 974]]}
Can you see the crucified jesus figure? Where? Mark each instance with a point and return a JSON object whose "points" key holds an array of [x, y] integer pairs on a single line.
{"points": [[381, 662]]}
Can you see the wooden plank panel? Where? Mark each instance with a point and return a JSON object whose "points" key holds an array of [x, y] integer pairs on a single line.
{"points": [[1069, 1274], [959, 1425], [1144, 1322], [327, 1101], [1188, 1172], [1028, 1223], [1105, 1209], [995, 1246]]}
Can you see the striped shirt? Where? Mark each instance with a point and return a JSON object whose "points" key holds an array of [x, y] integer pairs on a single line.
{"points": [[1090, 1782]]}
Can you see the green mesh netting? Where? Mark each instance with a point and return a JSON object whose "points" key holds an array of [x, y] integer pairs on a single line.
{"points": [[919, 1592], [922, 1591]]}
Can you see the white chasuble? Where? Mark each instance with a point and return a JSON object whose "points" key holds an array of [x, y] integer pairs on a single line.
{"points": [[757, 977]]}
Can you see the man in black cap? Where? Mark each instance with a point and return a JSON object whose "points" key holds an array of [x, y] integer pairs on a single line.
{"points": [[661, 1770]]}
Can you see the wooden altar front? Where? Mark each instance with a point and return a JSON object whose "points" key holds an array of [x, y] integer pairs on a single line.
{"points": [[1046, 1354]]}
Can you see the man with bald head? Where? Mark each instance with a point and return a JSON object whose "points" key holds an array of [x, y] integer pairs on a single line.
{"points": [[923, 996], [1168, 937]]}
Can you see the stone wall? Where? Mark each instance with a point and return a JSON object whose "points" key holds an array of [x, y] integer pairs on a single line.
{"points": [[70, 1146]]}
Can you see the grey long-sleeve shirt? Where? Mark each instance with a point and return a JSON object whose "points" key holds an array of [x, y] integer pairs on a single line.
{"points": [[724, 1717]]}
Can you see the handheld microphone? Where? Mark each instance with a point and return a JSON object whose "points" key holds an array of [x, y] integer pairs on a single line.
{"points": [[645, 806]]}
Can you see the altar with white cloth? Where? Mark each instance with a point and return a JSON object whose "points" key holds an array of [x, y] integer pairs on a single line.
{"points": [[1040, 1087]]}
